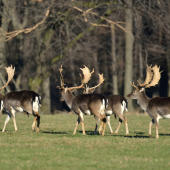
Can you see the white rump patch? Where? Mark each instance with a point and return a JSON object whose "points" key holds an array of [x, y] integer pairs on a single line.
{"points": [[87, 112], [102, 108], [124, 107], [36, 104]]}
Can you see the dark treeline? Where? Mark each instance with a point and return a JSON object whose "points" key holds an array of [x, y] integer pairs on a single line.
{"points": [[116, 37]]}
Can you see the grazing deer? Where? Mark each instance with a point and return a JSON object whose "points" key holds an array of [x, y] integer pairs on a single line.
{"points": [[157, 107], [85, 104], [27, 101], [116, 106]]}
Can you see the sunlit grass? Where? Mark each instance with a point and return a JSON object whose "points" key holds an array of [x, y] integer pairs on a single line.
{"points": [[54, 147]]}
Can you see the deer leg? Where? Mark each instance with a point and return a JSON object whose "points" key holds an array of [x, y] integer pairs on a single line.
{"points": [[126, 126], [36, 118], [77, 123], [38, 123], [108, 122], [122, 118], [13, 117], [6, 121], [156, 126], [104, 125], [97, 123], [33, 125], [120, 122], [82, 123], [150, 126], [101, 127]]}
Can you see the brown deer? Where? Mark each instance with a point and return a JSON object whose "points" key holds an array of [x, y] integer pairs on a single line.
{"points": [[157, 107], [116, 106], [85, 104], [22, 101]]}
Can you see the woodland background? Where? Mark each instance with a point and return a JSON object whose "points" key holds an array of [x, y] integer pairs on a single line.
{"points": [[115, 37]]}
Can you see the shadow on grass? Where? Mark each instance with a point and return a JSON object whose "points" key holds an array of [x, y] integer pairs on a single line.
{"points": [[136, 135], [165, 134], [55, 132], [91, 133]]}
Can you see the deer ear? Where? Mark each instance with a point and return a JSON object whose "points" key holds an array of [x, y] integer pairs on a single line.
{"points": [[142, 89]]}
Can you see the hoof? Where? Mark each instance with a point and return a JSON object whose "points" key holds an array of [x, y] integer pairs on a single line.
{"points": [[150, 135]]}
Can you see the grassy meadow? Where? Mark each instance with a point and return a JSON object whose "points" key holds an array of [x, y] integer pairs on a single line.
{"points": [[54, 147]]}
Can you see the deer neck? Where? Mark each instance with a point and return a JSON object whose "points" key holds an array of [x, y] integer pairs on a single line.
{"points": [[143, 100], [69, 97]]}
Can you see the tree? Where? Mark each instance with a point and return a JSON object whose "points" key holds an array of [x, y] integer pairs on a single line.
{"points": [[129, 53]]}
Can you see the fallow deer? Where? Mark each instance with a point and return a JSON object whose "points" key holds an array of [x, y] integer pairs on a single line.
{"points": [[157, 107], [22, 101], [116, 106], [85, 104]]}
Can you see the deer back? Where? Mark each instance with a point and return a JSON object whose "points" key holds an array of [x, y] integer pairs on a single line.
{"points": [[115, 101], [22, 99], [89, 102]]}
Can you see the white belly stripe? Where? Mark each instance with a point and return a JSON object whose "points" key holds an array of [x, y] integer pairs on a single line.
{"points": [[109, 112], [166, 116], [87, 112]]}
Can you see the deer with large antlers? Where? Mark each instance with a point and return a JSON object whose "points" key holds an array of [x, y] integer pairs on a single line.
{"points": [[22, 101], [157, 107], [116, 105], [85, 104]]}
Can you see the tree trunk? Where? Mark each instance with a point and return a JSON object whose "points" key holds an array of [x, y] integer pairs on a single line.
{"points": [[168, 65], [71, 58], [129, 54], [96, 71], [114, 69], [41, 82], [3, 28]]}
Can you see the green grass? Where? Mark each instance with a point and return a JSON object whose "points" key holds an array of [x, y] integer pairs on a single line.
{"points": [[54, 147]]}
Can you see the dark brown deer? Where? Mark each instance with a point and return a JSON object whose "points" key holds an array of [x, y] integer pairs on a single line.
{"points": [[157, 107], [85, 104], [22, 101], [116, 106]]}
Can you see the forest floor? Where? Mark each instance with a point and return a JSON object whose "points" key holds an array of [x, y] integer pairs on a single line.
{"points": [[55, 146]]}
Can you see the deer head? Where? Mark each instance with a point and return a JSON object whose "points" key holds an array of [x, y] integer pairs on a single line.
{"points": [[10, 71], [86, 77], [152, 78], [89, 90]]}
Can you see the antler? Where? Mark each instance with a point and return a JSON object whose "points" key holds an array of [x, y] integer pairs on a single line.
{"points": [[133, 85], [156, 76], [149, 75], [101, 80], [153, 76], [87, 76], [61, 79], [10, 71]]}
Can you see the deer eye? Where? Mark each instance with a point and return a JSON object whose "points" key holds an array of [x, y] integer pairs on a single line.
{"points": [[134, 92]]}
